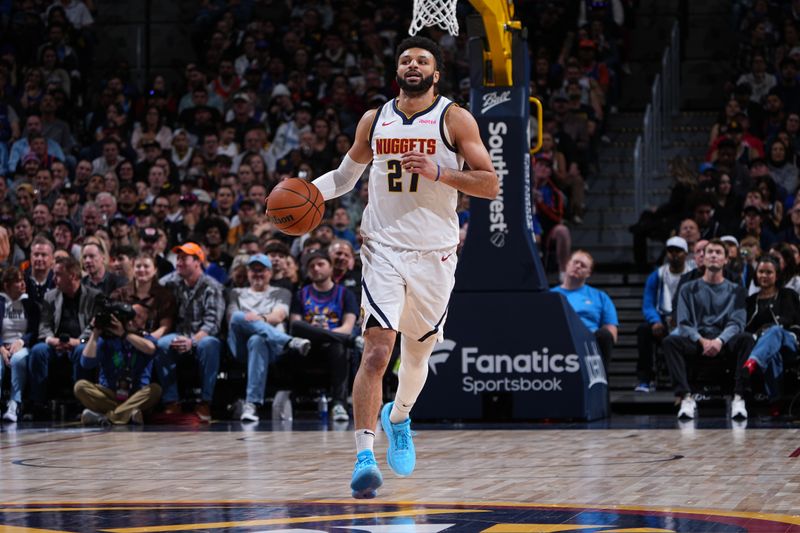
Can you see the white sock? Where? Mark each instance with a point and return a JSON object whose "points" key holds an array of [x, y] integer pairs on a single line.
{"points": [[411, 378], [365, 440]]}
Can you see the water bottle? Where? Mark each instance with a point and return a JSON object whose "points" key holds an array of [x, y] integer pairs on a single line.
{"points": [[322, 408]]}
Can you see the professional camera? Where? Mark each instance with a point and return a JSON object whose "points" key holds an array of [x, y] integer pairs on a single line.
{"points": [[105, 309]]}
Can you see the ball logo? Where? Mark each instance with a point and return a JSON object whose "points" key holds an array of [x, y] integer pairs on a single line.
{"points": [[494, 99], [498, 239], [282, 220]]}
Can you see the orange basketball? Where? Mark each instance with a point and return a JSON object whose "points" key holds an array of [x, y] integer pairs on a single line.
{"points": [[295, 206]]}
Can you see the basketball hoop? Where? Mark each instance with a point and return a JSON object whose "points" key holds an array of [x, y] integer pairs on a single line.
{"points": [[440, 13]]}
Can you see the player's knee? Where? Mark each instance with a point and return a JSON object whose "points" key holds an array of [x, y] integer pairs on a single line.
{"points": [[376, 358]]}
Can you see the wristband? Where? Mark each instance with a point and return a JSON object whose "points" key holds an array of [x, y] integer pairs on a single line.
{"points": [[438, 172]]}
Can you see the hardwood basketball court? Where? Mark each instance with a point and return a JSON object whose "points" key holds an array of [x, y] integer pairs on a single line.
{"points": [[612, 475]]}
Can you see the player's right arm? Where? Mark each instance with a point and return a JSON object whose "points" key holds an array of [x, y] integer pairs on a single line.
{"points": [[342, 180]]}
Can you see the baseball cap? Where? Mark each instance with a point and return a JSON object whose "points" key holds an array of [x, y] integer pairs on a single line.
{"points": [[191, 248], [731, 239], [280, 90], [260, 259], [150, 144], [202, 196], [148, 234], [189, 198], [241, 96], [30, 156], [142, 210], [119, 218], [67, 223], [705, 167], [678, 242], [316, 254]]}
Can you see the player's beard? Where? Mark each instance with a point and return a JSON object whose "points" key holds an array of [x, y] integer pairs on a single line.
{"points": [[415, 89]]}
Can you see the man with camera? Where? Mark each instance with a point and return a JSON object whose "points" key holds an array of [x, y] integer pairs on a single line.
{"points": [[124, 352], [67, 311], [202, 308]]}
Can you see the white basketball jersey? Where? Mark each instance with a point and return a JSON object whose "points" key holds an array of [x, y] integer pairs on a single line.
{"points": [[406, 210]]}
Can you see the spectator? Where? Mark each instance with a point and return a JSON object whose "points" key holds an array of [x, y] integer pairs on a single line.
{"points": [[710, 317], [202, 305], [593, 306], [781, 168], [549, 202], [754, 225], [153, 242], [39, 279], [94, 260], [256, 316], [120, 261], [22, 147], [341, 226], [64, 239], [659, 291], [325, 313], [279, 254], [18, 332], [773, 318], [346, 271], [67, 311], [110, 159], [144, 290], [124, 390]]}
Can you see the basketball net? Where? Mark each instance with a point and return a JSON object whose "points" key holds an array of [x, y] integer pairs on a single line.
{"points": [[440, 13]]}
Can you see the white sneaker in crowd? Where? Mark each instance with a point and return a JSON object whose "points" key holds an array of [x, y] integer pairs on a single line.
{"points": [[688, 408], [11, 411], [249, 413], [303, 346], [340, 413], [738, 409]]}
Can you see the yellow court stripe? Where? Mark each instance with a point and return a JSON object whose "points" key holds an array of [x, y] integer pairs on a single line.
{"points": [[782, 518], [15, 529], [282, 521]]}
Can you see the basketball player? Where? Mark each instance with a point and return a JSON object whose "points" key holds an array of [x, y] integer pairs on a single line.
{"points": [[417, 143]]}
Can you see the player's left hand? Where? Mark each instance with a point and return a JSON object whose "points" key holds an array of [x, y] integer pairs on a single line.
{"points": [[419, 163]]}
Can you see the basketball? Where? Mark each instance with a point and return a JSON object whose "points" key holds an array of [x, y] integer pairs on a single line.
{"points": [[295, 206]]}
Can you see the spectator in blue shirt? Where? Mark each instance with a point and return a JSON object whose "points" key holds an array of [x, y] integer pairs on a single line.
{"points": [[593, 306]]}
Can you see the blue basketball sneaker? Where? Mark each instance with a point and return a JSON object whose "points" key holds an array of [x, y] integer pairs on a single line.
{"points": [[366, 476], [401, 455]]}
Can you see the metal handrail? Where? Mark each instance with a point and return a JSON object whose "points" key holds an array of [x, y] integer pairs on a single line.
{"points": [[657, 122]]}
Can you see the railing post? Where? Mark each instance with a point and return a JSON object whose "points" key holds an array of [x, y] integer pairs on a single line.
{"points": [[638, 178]]}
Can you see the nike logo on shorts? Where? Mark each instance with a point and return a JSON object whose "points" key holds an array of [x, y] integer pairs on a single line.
{"points": [[446, 257], [387, 123]]}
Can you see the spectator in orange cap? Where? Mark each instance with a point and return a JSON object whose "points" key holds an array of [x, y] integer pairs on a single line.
{"points": [[202, 305]]}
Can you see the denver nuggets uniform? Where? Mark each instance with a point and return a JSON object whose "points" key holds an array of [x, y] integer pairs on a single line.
{"points": [[410, 225]]}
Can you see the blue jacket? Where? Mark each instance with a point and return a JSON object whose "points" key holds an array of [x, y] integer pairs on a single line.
{"points": [[652, 309], [32, 313]]}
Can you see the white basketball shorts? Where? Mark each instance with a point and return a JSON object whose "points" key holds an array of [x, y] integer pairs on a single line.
{"points": [[407, 291]]}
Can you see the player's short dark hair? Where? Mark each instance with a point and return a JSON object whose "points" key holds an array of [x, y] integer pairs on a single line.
{"points": [[425, 44]]}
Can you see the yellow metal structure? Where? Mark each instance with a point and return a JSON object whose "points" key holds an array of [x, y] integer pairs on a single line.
{"points": [[539, 124], [497, 19]]}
